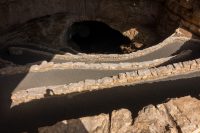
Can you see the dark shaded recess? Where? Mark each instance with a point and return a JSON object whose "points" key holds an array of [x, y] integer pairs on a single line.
{"points": [[49, 110], [21, 59], [6, 92], [96, 37]]}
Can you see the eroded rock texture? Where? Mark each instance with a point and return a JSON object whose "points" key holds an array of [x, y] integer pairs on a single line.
{"points": [[177, 115], [120, 12], [93, 124], [184, 13], [145, 22]]}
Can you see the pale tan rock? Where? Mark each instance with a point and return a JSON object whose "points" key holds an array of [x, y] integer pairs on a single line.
{"points": [[93, 124], [121, 121], [177, 115]]}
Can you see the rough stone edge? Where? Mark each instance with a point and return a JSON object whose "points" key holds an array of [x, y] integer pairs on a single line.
{"points": [[91, 124], [49, 66], [150, 119], [122, 79]]}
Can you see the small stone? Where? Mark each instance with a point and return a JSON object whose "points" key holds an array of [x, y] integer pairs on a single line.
{"points": [[186, 65], [122, 78], [89, 82], [121, 121], [107, 81], [138, 45], [133, 74], [170, 67], [144, 72], [34, 68], [177, 66], [44, 63], [153, 72], [193, 64]]}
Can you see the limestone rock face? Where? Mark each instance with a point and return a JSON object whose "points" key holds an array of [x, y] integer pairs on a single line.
{"points": [[177, 115], [184, 13], [121, 121], [19, 11]]}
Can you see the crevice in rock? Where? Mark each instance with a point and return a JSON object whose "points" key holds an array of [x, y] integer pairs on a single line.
{"points": [[173, 121], [110, 122]]}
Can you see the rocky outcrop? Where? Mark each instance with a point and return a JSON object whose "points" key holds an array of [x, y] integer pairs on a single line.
{"points": [[183, 13], [177, 115], [93, 124]]}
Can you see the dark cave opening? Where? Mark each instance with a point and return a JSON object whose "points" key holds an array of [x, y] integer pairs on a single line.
{"points": [[96, 37]]}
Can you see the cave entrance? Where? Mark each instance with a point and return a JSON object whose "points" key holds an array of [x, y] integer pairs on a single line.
{"points": [[96, 37]]}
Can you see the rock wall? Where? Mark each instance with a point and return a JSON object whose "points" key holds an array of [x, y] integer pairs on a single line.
{"points": [[46, 22], [17, 12], [183, 13], [124, 14]]}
